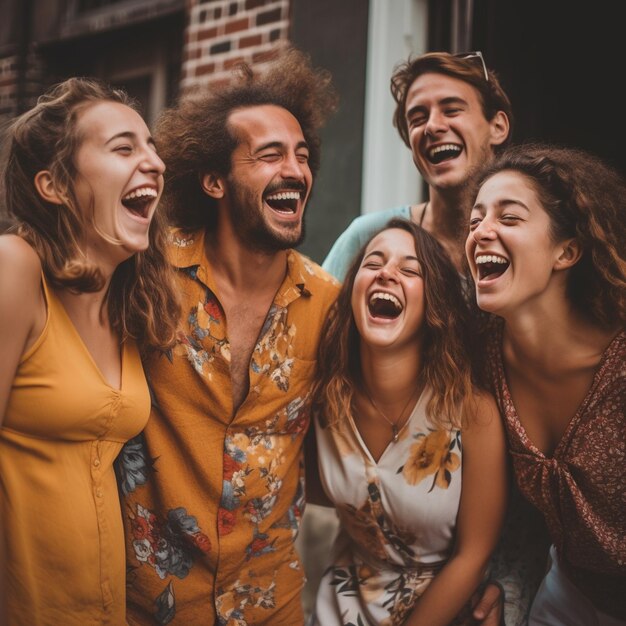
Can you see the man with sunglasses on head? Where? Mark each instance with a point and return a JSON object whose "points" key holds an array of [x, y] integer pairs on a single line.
{"points": [[454, 116]]}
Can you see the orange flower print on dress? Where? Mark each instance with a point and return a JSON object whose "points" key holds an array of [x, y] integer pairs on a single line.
{"points": [[432, 454]]}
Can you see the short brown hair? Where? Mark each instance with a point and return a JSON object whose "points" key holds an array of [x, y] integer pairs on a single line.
{"points": [[469, 70]]}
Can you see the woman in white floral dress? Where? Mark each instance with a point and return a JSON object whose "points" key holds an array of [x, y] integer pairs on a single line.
{"points": [[410, 452]]}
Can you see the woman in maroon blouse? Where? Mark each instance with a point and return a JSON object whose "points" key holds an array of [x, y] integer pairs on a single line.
{"points": [[547, 252]]}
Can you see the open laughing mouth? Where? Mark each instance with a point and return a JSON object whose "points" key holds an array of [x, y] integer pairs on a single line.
{"points": [[491, 266], [444, 152], [382, 305], [285, 202], [139, 201]]}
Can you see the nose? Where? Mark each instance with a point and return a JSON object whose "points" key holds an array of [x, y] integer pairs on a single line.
{"points": [[385, 274], [435, 124], [292, 168], [485, 229], [152, 162]]}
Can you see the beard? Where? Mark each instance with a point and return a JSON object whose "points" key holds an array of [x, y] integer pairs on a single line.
{"points": [[253, 229]]}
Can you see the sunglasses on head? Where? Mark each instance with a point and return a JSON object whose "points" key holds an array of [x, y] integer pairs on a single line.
{"points": [[476, 54]]}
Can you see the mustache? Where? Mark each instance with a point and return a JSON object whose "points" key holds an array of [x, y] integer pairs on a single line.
{"points": [[282, 185]]}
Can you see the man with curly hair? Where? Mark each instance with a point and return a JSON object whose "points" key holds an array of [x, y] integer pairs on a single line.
{"points": [[214, 487]]}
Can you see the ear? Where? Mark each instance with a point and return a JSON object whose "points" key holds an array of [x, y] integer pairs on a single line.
{"points": [[500, 128], [213, 185], [569, 255], [47, 189]]}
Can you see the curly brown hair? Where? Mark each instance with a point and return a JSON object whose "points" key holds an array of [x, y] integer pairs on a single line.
{"points": [[584, 198], [469, 70], [195, 137], [141, 298], [447, 366]]}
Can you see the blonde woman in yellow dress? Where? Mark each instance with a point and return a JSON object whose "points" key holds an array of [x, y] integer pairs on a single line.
{"points": [[410, 452], [84, 287]]}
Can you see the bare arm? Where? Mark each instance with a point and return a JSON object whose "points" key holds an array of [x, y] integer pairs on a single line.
{"points": [[21, 306], [481, 511]]}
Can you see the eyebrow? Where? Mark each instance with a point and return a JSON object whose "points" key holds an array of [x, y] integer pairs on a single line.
{"points": [[502, 204], [129, 135], [280, 146], [442, 102], [408, 257]]}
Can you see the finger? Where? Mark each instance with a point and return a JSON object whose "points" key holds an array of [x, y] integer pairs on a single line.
{"points": [[490, 600]]}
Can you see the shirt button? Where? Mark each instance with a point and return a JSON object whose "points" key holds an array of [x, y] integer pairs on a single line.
{"points": [[96, 462], [99, 493]]}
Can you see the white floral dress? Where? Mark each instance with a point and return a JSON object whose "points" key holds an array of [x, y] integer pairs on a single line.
{"points": [[397, 519]]}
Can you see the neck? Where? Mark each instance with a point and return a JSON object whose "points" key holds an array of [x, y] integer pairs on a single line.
{"points": [[390, 377], [553, 339], [448, 215], [242, 268]]}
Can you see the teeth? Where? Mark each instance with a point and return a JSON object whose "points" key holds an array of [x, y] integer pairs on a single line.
{"points": [[285, 195], [446, 146], [143, 192], [490, 258], [379, 295]]}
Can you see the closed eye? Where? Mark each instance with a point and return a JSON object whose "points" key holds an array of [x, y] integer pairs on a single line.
{"points": [[510, 219], [123, 149], [270, 157], [473, 223]]}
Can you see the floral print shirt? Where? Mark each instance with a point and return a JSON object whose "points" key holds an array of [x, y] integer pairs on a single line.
{"points": [[580, 489], [212, 500], [397, 516]]}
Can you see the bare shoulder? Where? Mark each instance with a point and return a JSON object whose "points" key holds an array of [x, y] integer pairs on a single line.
{"points": [[14, 250], [484, 419], [20, 268]]}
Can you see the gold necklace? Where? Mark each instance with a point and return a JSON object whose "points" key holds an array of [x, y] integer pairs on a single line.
{"points": [[395, 431]]}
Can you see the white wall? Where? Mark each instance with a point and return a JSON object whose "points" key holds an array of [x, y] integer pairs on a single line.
{"points": [[397, 28]]}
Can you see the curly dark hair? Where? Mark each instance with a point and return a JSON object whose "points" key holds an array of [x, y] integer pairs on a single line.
{"points": [[141, 299], [469, 70], [195, 138], [447, 365], [584, 198]]}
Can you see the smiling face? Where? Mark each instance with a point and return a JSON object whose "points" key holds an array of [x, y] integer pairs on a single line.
{"points": [[388, 292], [270, 179], [119, 180], [448, 133], [510, 249]]}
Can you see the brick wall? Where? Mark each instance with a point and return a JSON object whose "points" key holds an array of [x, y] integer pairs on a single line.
{"points": [[9, 84], [222, 33]]}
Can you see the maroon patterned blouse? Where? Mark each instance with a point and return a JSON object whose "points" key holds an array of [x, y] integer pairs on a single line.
{"points": [[581, 489]]}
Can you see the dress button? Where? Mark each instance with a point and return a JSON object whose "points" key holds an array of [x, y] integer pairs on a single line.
{"points": [[96, 462], [99, 493]]}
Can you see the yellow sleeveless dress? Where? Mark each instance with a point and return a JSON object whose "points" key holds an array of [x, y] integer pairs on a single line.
{"points": [[59, 505]]}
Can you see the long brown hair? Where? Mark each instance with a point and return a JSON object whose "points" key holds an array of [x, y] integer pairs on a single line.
{"points": [[140, 300], [447, 368]]}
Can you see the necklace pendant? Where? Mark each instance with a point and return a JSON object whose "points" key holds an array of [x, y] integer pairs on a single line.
{"points": [[394, 433]]}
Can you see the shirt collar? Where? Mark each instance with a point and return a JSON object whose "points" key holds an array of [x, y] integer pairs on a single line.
{"points": [[186, 252]]}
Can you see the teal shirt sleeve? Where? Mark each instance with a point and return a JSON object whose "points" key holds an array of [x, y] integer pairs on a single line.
{"points": [[358, 233]]}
